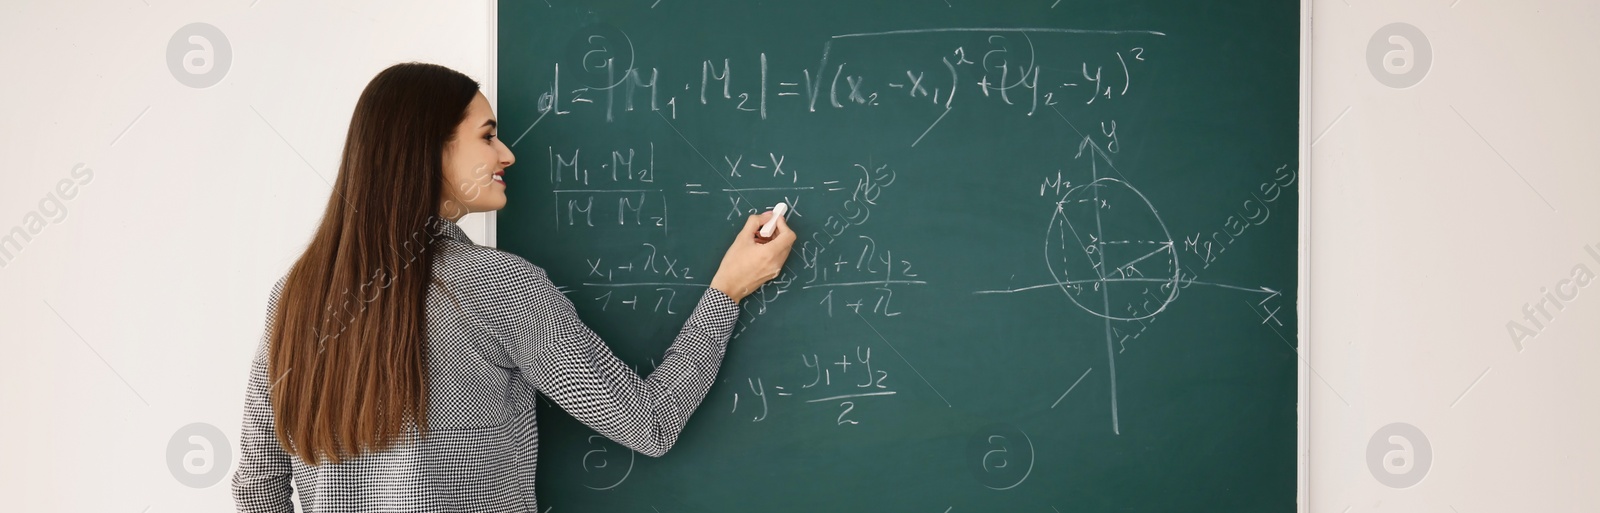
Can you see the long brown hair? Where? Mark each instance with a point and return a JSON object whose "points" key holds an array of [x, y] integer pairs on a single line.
{"points": [[348, 344]]}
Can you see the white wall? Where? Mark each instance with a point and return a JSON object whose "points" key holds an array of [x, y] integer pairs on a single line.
{"points": [[199, 200], [1438, 211]]}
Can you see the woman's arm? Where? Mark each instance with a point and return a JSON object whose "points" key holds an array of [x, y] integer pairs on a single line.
{"points": [[571, 365], [261, 483]]}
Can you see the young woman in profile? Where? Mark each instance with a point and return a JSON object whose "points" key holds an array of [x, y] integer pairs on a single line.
{"points": [[400, 361]]}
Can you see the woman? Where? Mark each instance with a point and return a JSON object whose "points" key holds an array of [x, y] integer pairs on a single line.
{"points": [[401, 362]]}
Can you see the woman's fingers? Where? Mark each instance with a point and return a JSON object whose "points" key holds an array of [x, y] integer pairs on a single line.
{"points": [[755, 220], [752, 227], [782, 229], [754, 224]]}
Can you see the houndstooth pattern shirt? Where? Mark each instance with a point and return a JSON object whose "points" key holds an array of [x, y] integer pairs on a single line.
{"points": [[499, 333]]}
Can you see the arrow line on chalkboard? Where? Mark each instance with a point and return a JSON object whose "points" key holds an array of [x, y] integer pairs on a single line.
{"points": [[903, 359], [1105, 292], [1262, 290], [1095, 146]]}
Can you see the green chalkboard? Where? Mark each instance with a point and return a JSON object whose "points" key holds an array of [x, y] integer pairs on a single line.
{"points": [[1047, 252]]}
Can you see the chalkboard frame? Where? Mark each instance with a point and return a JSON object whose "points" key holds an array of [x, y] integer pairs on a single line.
{"points": [[1304, 220]]}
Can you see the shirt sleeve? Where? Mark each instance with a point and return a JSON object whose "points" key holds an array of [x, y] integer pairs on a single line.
{"points": [[262, 481], [571, 365]]}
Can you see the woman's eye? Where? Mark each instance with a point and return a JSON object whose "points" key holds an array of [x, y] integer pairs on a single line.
{"points": [[488, 137]]}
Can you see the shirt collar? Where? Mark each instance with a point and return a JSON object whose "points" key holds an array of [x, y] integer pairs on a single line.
{"points": [[450, 229]]}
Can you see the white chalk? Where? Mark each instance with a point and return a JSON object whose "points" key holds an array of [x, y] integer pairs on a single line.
{"points": [[777, 212]]}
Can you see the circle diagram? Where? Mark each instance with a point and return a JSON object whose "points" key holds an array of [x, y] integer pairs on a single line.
{"points": [[1110, 252]]}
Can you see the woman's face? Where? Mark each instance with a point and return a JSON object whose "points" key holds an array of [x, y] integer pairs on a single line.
{"points": [[474, 163]]}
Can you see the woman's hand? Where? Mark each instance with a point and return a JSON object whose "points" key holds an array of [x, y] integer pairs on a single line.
{"points": [[752, 261]]}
